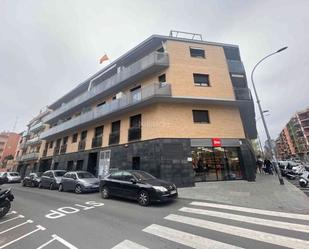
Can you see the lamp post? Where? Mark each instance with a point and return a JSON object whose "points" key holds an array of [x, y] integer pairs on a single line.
{"points": [[262, 115], [261, 147]]}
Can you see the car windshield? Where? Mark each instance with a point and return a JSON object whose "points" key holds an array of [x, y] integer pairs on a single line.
{"points": [[142, 176], [14, 174], [82, 175], [59, 173]]}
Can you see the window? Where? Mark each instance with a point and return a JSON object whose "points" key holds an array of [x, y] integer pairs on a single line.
{"points": [[98, 132], [116, 126], [51, 144], [161, 50], [201, 79], [65, 140], [136, 121], [136, 93], [127, 176], [100, 104], [197, 52], [239, 80], [58, 142], [116, 176], [83, 135], [162, 78], [74, 138], [200, 116], [79, 164]]}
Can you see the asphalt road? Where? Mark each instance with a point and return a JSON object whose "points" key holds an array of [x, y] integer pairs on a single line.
{"points": [[49, 219], [295, 182]]}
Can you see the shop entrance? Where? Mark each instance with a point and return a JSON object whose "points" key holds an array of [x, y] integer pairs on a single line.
{"points": [[216, 163], [92, 163]]}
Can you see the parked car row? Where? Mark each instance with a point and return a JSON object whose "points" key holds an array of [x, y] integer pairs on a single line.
{"points": [[130, 184], [295, 170], [10, 177]]}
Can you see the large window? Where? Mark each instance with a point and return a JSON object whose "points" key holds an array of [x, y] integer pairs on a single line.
{"points": [[200, 116], [197, 52], [98, 132], [201, 79], [135, 131], [74, 138], [114, 136], [83, 135]]}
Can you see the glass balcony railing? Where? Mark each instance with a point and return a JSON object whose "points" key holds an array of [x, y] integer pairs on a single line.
{"points": [[30, 156], [126, 101], [37, 127], [242, 94], [151, 61], [32, 141]]}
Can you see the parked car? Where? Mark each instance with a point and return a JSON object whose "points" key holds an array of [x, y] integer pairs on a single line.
{"points": [[11, 177], [51, 179], [137, 185], [304, 179], [79, 182], [32, 180]]}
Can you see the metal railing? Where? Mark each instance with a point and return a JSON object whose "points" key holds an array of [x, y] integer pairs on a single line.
{"points": [[56, 150], [30, 156], [125, 101], [81, 145], [114, 137], [153, 59], [134, 133], [97, 142], [63, 149]]}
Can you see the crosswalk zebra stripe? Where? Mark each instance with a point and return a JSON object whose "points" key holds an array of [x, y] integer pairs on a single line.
{"points": [[252, 210], [186, 239], [242, 232], [128, 244], [252, 220]]}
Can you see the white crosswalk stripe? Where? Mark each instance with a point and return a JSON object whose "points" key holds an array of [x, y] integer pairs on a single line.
{"points": [[128, 244]]}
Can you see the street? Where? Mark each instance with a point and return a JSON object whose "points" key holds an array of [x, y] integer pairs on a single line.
{"points": [[41, 218], [295, 182]]}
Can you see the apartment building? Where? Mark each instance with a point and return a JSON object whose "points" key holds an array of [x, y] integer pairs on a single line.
{"points": [[8, 145], [177, 108], [30, 147], [293, 140]]}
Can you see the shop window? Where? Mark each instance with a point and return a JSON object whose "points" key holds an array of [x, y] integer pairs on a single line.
{"points": [[201, 79], [197, 52], [200, 116]]}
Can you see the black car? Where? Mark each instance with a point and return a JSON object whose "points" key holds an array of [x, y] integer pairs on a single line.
{"points": [[32, 180], [51, 179], [137, 185]]}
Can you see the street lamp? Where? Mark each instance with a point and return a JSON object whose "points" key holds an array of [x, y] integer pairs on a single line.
{"points": [[262, 115]]}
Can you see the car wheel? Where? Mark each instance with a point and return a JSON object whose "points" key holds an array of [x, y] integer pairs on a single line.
{"points": [[4, 208], [60, 189], [51, 186], [78, 189], [105, 193], [143, 198], [303, 184], [40, 185], [23, 184]]}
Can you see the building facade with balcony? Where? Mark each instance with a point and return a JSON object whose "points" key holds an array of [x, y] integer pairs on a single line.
{"points": [[177, 108], [293, 141], [31, 147], [8, 146]]}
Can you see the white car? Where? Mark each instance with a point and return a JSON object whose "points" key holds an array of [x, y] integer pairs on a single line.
{"points": [[11, 177], [298, 170]]}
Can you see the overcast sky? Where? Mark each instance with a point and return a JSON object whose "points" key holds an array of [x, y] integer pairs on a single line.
{"points": [[48, 47]]}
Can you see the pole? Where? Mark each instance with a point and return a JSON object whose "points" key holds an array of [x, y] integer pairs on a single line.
{"points": [[263, 118], [261, 146]]}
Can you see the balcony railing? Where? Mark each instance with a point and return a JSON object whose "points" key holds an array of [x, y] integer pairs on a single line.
{"points": [[96, 142], [135, 133], [39, 126], [30, 156], [32, 141], [126, 101], [151, 61], [63, 149], [81, 145], [242, 94], [114, 137], [44, 152], [56, 150]]}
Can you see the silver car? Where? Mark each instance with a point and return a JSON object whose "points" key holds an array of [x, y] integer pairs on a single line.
{"points": [[11, 177], [79, 182]]}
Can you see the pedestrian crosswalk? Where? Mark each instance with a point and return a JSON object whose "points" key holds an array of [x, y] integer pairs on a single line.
{"points": [[206, 225]]}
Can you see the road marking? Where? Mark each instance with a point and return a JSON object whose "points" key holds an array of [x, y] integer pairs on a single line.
{"points": [[12, 212], [252, 210], [247, 219], [241, 232], [17, 217], [187, 239], [47, 243], [25, 235], [64, 242], [9, 229], [128, 244]]}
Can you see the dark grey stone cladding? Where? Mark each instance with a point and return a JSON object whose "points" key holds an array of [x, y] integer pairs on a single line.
{"points": [[166, 159]]}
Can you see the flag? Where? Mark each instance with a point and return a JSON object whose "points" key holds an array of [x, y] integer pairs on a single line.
{"points": [[104, 58]]}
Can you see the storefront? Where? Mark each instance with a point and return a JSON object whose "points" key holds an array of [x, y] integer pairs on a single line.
{"points": [[217, 160]]}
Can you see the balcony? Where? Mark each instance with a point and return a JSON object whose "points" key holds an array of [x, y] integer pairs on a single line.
{"points": [[44, 152], [39, 126], [33, 141], [100, 113], [135, 133], [56, 150], [242, 94], [30, 156], [151, 63], [114, 137], [96, 142], [81, 145], [63, 149]]}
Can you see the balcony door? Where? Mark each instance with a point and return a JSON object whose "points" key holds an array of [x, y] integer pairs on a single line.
{"points": [[136, 94]]}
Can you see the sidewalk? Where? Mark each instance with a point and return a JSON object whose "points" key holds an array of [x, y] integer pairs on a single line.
{"points": [[264, 193]]}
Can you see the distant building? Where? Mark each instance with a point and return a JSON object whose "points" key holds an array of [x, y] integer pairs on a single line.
{"points": [[8, 145], [293, 141]]}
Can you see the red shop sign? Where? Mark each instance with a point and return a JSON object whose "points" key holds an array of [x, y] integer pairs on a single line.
{"points": [[216, 142]]}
